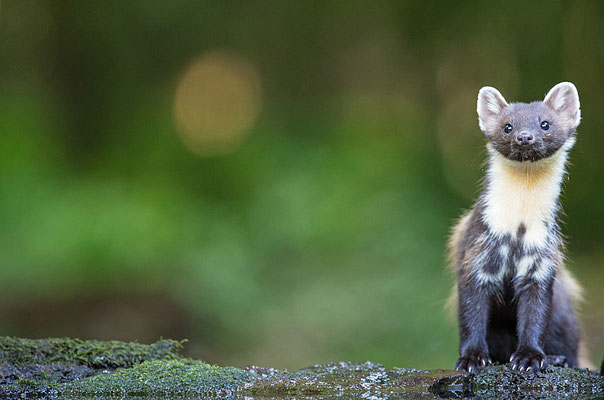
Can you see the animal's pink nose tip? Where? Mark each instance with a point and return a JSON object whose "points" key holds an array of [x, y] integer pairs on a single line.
{"points": [[524, 138]]}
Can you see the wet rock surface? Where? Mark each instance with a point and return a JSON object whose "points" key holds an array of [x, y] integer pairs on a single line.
{"points": [[345, 380], [555, 383], [66, 368]]}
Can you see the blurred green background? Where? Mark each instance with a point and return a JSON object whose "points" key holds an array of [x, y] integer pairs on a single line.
{"points": [[272, 180]]}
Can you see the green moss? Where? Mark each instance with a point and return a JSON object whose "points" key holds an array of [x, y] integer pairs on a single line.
{"points": [[172, 377], [91, 353]]}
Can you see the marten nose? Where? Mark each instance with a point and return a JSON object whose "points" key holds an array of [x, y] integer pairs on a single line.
{"points": [[524, 138]]}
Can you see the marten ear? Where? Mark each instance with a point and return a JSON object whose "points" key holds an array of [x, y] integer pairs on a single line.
{"points": [[489, 106], [564, 100]]}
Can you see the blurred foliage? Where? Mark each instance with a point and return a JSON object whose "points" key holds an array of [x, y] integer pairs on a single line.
{"points": [[318, 236]]}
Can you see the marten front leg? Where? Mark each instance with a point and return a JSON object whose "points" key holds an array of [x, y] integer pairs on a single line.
{"points": [[474, 304], [533, 311]]}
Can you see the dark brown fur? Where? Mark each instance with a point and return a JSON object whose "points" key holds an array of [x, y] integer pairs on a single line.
{"points": [[514, 295]]}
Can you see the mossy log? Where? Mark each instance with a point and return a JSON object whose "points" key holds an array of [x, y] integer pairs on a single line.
{"points": [[70, 368], [91, 353]]}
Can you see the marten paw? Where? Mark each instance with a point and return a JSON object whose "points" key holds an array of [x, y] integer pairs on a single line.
{"points": [[472, 361], [528, 360]]}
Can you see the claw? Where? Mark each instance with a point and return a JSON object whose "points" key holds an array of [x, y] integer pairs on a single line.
{"points": [[472, 361], [528, 360]]}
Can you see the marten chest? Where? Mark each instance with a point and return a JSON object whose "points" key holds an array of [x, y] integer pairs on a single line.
{"points": [[518, 234], [504, 258], [521, 206]]}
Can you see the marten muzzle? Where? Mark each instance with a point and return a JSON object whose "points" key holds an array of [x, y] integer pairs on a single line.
{"points": [[525, 138]]}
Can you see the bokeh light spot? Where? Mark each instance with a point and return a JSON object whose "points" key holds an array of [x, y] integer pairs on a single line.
{"points": [[217, 101]]}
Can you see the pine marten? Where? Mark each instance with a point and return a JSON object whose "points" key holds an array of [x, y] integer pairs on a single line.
{"points": [[514, 295]]}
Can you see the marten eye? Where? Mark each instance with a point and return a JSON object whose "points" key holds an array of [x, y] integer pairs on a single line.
{"points": [[507, 129], [545, 126]]}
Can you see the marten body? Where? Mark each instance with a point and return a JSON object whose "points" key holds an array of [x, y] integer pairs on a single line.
{"points": [[515, 296]]}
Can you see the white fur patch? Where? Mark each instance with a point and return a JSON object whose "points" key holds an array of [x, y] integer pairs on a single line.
{"points": [[504, 251], [559, 101], [479, 264], [524, 193], [545, 270], [493, 102], [524, 264], [483, 277]]}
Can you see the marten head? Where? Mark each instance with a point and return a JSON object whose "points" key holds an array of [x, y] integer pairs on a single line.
{"points": [[529, 131]]}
